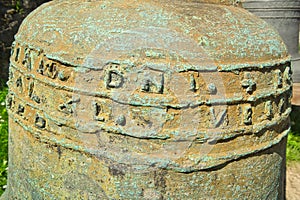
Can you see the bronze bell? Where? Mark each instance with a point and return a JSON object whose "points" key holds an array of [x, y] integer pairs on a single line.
{"points": [[147, 100], [284, 16]]}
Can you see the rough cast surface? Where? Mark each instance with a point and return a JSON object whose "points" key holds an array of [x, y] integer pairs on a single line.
{"points": [[147, 100], [284, 16]]}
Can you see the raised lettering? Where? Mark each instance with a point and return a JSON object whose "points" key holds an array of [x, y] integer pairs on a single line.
{"points": [[218, 116], [152, 82], [40, 122], [247, 114], [268, 110], [278, 75], [248, 83]]}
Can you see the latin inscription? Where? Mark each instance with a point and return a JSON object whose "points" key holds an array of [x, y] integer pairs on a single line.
{"points": [[278, 81], [247, 114], [17, 55], [219, 116], [114, 74], [193, 86], [248, 83], [27, 60], [48, 68], [281, 106], [98, 111], [114, 79], [268, 110], [68, 107], [101, 111], [31, 94], [40, 122], [287, 75], [21, 110], [152, 82], [149, 81]]}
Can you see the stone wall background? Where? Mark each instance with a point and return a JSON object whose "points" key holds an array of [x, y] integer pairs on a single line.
{"points": [[12, 13]]}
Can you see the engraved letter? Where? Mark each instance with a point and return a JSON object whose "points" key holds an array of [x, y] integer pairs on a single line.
{"points": [[40, 122], [268, 110], [192, 83], [113, 79], [153, 82], [278, 75], [67, 107], [97, 112], [27, 60], [218, 117], [287, 75], [21, 110], [247, 114], [248, 83]]}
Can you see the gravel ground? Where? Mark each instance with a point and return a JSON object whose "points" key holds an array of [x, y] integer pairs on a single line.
{"points": [[293, 181]]}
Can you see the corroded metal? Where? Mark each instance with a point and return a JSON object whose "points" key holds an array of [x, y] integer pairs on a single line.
{"points": [[284, 16], [147, 100]]}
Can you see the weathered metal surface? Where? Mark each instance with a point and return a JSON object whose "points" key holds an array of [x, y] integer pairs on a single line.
{"points": [[284, 16], [143, 99]]}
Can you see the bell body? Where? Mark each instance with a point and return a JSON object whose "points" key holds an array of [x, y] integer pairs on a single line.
{"points": [[147, 100], [284, 16]]}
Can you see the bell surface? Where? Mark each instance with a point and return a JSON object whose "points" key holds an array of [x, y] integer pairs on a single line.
{"points": [[147, 100]]}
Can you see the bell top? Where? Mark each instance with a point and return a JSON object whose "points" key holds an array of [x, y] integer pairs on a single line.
{"points": [[230, 37]]}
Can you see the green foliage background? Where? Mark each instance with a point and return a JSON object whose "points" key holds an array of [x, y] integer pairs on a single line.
{"points": [[293, 145], [3, 140]]}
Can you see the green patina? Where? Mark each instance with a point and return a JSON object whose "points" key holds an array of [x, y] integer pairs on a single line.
{"points": [[147, 98]]}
